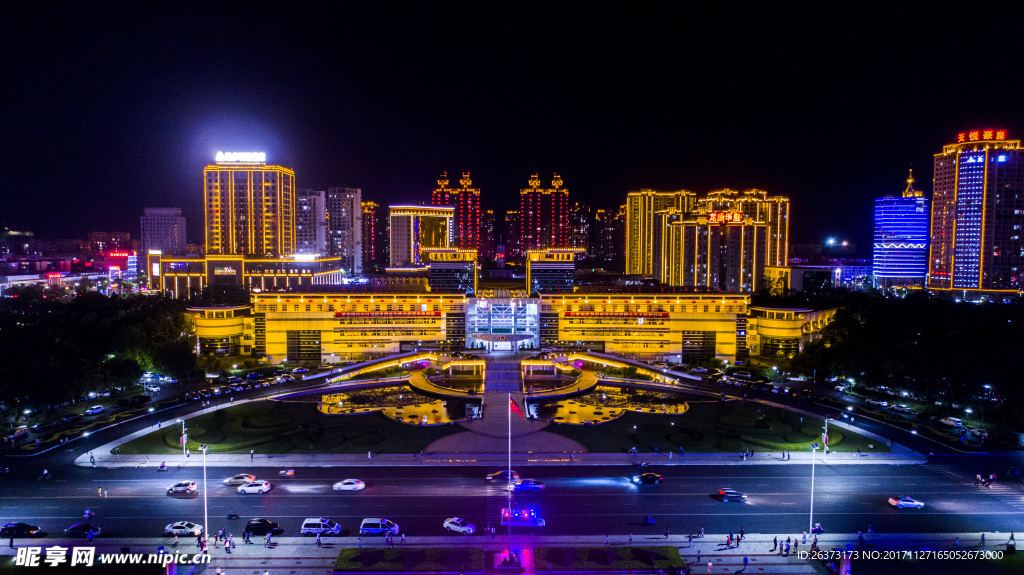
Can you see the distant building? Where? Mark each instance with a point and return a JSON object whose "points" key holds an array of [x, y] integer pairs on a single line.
{"points": [[977, 202], [466, 218], [543, 215], [900, 255], [249, 207], [488, 235], [579, 227], [513, 251], [412, 228], [551, 270], [640, 209], [452, 270], [106, 241], [345, 228], [370, 231], [311, 222], [162, 229]]}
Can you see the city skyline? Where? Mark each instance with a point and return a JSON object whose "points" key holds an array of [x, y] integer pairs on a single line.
{"points": [[132, 116]]}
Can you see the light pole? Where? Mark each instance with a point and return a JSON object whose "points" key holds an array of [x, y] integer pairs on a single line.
{"points": [[814, 450], [184, 438], [206, 517], [824, 439]]}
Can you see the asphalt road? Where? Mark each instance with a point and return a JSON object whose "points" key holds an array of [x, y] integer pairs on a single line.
{"points": [[576, 500]]}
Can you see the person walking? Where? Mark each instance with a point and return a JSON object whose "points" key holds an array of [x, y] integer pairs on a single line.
{"points": [[99, 491], [666, 533], [775, 543], [701, 532], [266, 540], [252, 454], [796, 545], [689, 540], [227, 546], [607, 540], [710, 566], [402, 542], [175, 541], [698, 556], [12, 539], [630, 539], [89, 535], [982, 539], [871, 530], [956, 542], [745, 561], [359, 543], [787, 549], [199, 541], [741, 532], [318, 542], [105, 492], [728, 541]]}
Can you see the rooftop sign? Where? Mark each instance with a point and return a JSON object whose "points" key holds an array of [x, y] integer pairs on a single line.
{"points": [[980, 135], [249, 157]]}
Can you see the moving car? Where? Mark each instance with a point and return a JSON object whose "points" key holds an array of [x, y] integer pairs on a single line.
{"points": [[184, 528], [182, 487], [878, 402], [300, 370], [377, 526], [905, 502], [321, 525], [82, 530], [459, 525], [20, 530], [240, 479], [727, 494], [527, 485], [503, 476], [951, 421], [153, 388], [349, 485], [263, 526], [94, 410], [521, 518], [648, 478], [260, 486]]}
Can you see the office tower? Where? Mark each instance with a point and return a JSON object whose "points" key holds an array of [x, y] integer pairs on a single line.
{"points": [[551, 270], [345, 228], [249, 207], [758, 206], [901, 237], [370, 230], [452, 270], [488, 235], [412, 228], [579, 227], [977, 202], [602, 246], [640, 209], [311, 222], [543, 215], [162, 229], [466, 201], [513, 245]]}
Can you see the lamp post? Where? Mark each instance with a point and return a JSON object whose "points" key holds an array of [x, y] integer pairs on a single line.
{"points": [[184, 438], [814, 450], [824, 438], [206, 517]]}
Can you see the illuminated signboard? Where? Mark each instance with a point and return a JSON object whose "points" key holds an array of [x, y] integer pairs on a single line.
{"points": [[224, 271], [250, 157], [725, 218], [980, 135]]}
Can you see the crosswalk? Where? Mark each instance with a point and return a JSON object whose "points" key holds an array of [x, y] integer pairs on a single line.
{"points": [[1007, 493], [762, 564]]}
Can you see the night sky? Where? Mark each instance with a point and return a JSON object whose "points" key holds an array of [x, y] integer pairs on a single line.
{"points": [[108, 110]]}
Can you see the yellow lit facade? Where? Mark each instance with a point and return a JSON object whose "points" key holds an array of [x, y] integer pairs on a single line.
{"points": [[184, 277], [452, 270], [413, 228], [641, 208], [249, 209], [779, 332], [757, 206]]}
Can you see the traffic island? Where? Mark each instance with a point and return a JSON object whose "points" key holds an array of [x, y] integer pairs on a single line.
{"points": [[553, 559], [410, 559]]}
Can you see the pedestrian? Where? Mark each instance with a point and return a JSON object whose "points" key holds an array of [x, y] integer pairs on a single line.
{"points": [[741, 532], [369, 455], [318, 542], [99, 491], [982, 539], [630, 539], [775, 543], [231, 540], [117, 451], [607, 540], [977, 479], [689, 540], [266, 540], [796, 545], [710, 566], [730, 535], [89, 535], [12, 539], [402, 542], [701, 532], [359, 543], [860, 537], [787, 549], [728, 541], [147, 460], [188, 452], [805, 537], [788, 540], [871, 529], [666, 533], [745, 560], [175, 541], [252, 454], [199, 541], [698, 556], [227, 546], [1011, 539], [815, 543], [956, 542], [216, 537], [104, 493]]}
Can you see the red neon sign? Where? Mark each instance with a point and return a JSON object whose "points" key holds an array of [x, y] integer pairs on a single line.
{"points": [[980, 135]]}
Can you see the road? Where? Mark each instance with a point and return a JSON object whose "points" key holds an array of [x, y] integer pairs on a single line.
{"points": [[576, 501]]}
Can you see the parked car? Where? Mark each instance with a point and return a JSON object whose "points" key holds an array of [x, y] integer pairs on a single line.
{"points": [[951, 421], [459, 525], [300, 370], [321, 526], [122, 403], [141, 399], [71, 417], [153, 388], [377, 526], [94, 410], [44, 426], [82, 530]]}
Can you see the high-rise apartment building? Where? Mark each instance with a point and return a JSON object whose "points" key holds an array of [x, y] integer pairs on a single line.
{"points": [[415, 227], [543, 215], [345, 228], [488, 235], [756, 205], [900, 254], [640, 209], [311, 222], [513, 235], [249, 207], [466, 201], [579, 227], [162, 229], [105, 241], [977, 207], [370, 230]]}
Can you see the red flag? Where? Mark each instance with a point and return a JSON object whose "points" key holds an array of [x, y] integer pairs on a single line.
{"points": [[514, 407]]}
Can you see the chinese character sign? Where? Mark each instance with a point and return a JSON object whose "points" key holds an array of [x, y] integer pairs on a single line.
{"points": [[980, 135]]}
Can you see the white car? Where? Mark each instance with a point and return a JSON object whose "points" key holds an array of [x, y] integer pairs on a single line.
{"points": [[349, 485], [182, 487], [240, 479], [153, 388], [459, 525], [94, 410], [905, 502], [260, 486], [184, 528]]}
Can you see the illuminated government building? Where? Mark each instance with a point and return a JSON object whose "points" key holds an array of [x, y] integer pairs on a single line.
{"points": [[250, 212], [976, 217]]}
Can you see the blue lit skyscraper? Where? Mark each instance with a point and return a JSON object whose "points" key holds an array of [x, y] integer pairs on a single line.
{"points": [[901, 237], [977, 215]]}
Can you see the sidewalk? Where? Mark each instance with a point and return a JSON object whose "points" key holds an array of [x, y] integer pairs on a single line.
{"points": [[301, 556]]}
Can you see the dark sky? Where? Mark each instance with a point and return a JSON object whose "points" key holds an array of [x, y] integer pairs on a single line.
{"points": [[107, 109]]}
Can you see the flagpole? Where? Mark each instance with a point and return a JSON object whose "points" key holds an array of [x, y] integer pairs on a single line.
{"points": [[509, 486]]}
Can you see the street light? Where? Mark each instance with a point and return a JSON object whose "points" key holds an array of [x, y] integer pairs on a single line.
{"points": [[206, 516], [824, 438], [184, 438], [814, 450]]}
